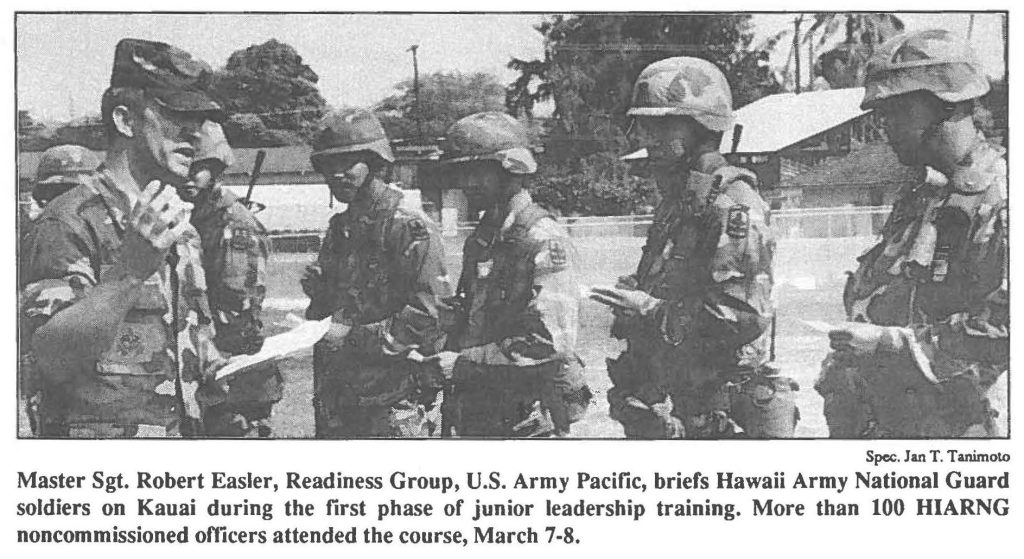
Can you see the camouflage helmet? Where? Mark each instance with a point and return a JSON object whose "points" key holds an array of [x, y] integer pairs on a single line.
{"points": [[350, 131], [213, 146], [934, 60], [684, 86], [63, 164], [490, 136]]}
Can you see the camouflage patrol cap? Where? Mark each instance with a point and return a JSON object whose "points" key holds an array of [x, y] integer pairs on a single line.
{"points": [[490, 136], [350, 131], [63, 164], [213, 146], [167, 73], [933, 60], [684, 86]]}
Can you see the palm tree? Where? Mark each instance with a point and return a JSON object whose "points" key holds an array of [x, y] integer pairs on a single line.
{"points": [[843, 65]]}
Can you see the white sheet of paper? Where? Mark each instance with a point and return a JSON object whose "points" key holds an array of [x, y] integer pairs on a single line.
{"points": [[276, 347]]}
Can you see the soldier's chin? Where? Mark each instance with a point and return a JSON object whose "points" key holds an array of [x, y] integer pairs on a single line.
{"points": [[344, 194]]}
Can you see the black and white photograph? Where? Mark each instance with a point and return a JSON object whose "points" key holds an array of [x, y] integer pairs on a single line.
{"points": [[601, 225]]}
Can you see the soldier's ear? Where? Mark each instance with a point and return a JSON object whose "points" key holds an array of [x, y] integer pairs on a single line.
{"points": [[124, 121]]}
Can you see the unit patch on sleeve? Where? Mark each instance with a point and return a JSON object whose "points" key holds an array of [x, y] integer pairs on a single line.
{"points": [[418, 230], [738, 223], [558, 255]]}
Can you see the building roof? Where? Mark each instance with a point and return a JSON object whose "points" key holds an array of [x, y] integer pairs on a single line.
{"points": [[778, 121], [285, 159], [292, 160], [872, 164]]}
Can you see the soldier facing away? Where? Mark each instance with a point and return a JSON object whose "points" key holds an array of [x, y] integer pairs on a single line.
{"points": [[514, 367], [235, 252], [380, 276], [117, 304], [931, 362], [696, 313]]}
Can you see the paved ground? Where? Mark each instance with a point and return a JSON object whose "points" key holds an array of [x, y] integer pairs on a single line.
{"points": [[809, 287]]}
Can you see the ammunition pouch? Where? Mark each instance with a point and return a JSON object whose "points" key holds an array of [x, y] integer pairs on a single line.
{"points": [[763, 404], [886, 395], [491, 400], [638, 403], [346, 379]]}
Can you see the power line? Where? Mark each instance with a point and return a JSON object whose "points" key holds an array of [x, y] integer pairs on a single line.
{"points": [[690, 48]]}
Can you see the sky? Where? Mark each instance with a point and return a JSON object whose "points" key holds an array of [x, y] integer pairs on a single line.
{"points": [[359, 58]]}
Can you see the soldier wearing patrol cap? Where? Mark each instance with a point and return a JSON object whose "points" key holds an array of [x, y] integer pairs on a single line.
{"points": [[696, 312], [931, 356], [514, 367], [235, 252], [117, 302], [380, 276]]}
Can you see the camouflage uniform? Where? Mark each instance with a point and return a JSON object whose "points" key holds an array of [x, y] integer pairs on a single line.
{"points": [[518, 373], [695, 364], [60, 169], [708, 257], [235, 251], [151, 379], [382, 271], [940, 269], [146, 383]]}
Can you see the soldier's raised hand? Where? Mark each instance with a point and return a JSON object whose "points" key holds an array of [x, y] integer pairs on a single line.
{"points": [[157, 221]]}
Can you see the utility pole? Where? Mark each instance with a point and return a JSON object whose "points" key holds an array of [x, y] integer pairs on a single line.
{"points": [[416, 92], [796, 49], [970, 27]]}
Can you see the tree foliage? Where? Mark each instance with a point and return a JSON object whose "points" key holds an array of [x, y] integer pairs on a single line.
{"points": [[844, 65], [86, 131], [848, 37], [444, 97], [588, 70], [269, 83], [599, 184]]}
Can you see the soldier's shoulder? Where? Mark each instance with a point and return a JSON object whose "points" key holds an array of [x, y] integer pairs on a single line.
{"points": [[74, 207], [72, 202], [235, 213], [413, 224], [546, 227], [740, 186]]}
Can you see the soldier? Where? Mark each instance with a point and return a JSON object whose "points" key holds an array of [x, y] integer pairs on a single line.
{"points": [[61, 168], [696, 313], [118, 300], [235, 251], [516, 372], [380, 277], [934, 289]]}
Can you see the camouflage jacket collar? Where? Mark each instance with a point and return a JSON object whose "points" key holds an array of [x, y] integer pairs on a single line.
{"points": [[515, 206], [378, 199], [207, 203], [979, 169], [115, 199]]}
